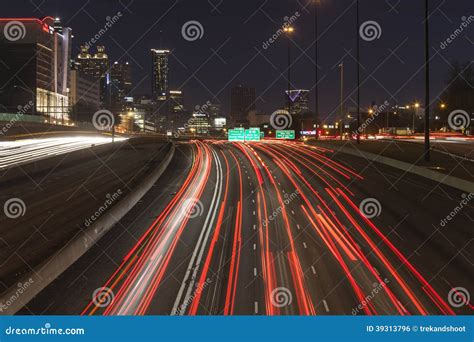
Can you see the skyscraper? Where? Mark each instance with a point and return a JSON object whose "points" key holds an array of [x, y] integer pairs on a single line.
{"points": [[35, 56], [298, 98], [177, 101], [121, 84], [160, 74], [97, 66], [242, 101]]}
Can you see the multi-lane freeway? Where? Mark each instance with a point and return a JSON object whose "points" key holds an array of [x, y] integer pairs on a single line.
{"points": [[275, 228]]}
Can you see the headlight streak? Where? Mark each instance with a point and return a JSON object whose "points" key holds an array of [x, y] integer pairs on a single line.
{"points": [[13, 153]]}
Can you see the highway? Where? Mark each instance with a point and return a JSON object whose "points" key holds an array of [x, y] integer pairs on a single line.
{"points": [[13, 153], [274, 228]]}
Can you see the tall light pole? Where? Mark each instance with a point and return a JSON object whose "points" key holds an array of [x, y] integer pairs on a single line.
{"points": [[316, 76], [427, 84], [358, 71], [289, 30], [341, 130]]}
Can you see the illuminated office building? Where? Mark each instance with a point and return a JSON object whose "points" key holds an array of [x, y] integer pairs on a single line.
{"points": [[35, 56], [97, 66], [160, 74], [120, 84]]}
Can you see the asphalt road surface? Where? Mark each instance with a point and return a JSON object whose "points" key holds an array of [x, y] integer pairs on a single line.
{"points": [[50, 208], [275, 229]]}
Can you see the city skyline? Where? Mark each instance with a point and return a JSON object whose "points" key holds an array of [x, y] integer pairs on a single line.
{"points": [[217, 69]]}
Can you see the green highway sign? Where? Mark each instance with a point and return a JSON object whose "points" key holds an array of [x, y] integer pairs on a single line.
{"points": [[252, 134], [285, 134], [237, 134]]}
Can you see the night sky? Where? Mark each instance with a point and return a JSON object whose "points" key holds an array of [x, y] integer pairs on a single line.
{"points": [[230, 51]]}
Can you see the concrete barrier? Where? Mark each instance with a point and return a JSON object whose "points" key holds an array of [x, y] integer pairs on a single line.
{"points": [[48, 271], [451, 181]]}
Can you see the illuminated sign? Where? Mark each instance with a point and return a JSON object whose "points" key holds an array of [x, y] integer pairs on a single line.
{"points": [[237, 134], [285, 134], [306, 133], [252, 134]]}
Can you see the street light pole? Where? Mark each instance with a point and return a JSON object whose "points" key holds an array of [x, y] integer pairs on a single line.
{"points": [[288, 30], [289, 74], [316, 87], [358, 72], [427, 84]]}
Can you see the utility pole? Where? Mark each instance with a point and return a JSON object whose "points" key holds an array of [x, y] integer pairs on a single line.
{"points": [[427, 84], [341, 131]]}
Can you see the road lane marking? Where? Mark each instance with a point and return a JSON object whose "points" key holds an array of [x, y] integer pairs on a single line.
{"points": [[254, 246], [304, 245], [326, 307], [298, 226], [313, 269], [200, 245], [255, 271], [254, 227], [256, 307], [293, 212]]}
